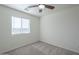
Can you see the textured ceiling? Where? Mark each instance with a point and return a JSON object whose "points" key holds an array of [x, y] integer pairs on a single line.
{"points": [[35, 10]]}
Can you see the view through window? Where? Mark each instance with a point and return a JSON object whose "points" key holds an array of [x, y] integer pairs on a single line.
{"points": [[20, 25]]}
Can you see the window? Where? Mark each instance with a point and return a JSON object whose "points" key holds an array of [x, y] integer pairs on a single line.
{"points": [[20, 25]]}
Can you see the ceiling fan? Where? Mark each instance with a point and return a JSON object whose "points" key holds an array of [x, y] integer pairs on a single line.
{"points": [[41, 7]]}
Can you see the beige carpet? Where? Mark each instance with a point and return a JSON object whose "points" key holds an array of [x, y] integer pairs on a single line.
{"points": [[40, 48]]}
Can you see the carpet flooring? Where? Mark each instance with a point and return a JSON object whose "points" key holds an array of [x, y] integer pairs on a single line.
{"points": [[40, 48]]}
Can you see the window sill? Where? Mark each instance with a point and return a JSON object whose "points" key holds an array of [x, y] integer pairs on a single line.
{"points": [[20, 33]]}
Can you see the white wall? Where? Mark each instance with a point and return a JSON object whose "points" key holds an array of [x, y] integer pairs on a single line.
{"points": [[7, 40], [62, 29]]}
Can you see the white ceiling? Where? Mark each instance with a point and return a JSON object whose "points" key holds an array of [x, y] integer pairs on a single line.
{"points": [[35, 10]]}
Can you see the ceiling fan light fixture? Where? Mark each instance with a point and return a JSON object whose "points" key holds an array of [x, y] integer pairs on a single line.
{"points": [[41, 6]]}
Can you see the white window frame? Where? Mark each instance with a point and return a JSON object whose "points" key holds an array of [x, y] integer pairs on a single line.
{"points": [[21, 29]]}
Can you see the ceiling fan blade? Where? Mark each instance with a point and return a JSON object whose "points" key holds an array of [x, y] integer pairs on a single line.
{"points": [[31, 7], [50, 7]]}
